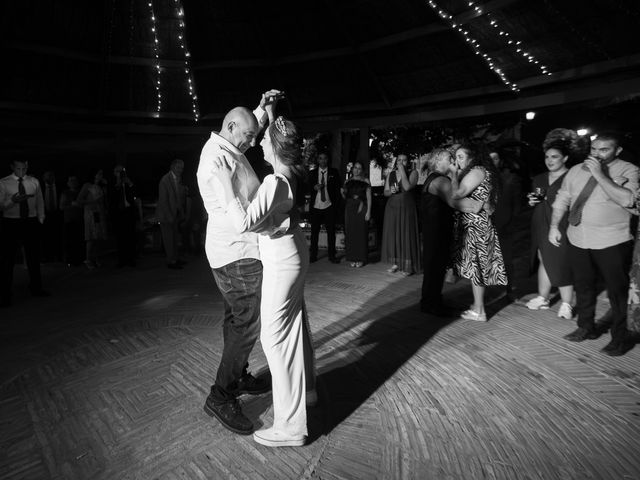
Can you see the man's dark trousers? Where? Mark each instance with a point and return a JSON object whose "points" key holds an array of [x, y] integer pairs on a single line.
{"points": [[240, 284], [15, 232], [613, 265], [318, 217]]}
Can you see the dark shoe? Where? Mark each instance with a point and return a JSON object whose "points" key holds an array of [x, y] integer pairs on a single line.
{"points": [[181, 262], [313, 259], [611, 346], [621, 348], [251, 385], [174, 266], [580, 334], [334, 260], [40, 293], [230, 415]]}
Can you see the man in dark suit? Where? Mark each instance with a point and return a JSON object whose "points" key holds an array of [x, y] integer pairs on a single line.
{"points": [[123, 212], [171, 211], [324, 185], [52, 226]]}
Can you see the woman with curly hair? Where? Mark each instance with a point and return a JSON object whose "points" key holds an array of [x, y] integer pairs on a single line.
{"points": [[285, 333], [553, 264], [476, 254]]}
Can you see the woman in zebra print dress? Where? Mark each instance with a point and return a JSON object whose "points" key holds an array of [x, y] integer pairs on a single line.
{"points": [[476, 248]]}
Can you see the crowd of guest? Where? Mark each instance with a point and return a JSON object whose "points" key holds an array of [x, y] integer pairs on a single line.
{"points": [[460, 218], [465, 216], [77, 224]]}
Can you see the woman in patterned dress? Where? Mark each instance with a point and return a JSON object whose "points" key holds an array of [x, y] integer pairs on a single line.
{"points": [[476, 254]]}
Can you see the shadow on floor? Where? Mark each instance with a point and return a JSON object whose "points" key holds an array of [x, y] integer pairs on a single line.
{"points": [[363, 364]]}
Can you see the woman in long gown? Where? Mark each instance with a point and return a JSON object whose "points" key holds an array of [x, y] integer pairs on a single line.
{"points": [[476, 255], [285, 333], [400, 237], [553, 262], [357, 213]]}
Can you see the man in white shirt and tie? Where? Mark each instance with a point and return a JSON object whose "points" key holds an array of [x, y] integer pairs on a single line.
{"points": [[325, 195], [22, 208]]}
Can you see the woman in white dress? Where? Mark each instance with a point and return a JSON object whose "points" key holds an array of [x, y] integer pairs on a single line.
{"points": [[284, 334]]}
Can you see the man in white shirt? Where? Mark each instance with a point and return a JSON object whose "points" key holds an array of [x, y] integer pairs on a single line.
{"points": [[235, 263], [22, 208], [599, 194]]}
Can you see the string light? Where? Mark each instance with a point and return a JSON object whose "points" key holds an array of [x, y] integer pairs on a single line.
{"points": [[156, 50], [187, 67], [515, 44], [474, 43]]}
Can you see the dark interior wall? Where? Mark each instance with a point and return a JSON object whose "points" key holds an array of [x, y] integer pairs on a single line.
{"points": [[67, 152], [77, 149]]}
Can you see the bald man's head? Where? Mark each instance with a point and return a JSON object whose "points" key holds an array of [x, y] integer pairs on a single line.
{"points": [[240, 128]]}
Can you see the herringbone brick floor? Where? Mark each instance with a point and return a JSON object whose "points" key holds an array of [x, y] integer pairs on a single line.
{"points": [[106, 380]]}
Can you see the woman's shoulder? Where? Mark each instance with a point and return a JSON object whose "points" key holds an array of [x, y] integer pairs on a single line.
{"points": [[277, 183], [479, 171]]}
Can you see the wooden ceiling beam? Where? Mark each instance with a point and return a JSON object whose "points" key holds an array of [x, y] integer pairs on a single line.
{"points": [[570, 95], [85, 57], [563, 97]]}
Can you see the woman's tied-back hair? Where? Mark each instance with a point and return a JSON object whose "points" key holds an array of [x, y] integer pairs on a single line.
{"points": [[479, 157], [286, 141], [567, 142]]}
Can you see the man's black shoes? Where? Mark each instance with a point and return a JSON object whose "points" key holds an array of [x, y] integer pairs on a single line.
{"points": [[581, 334], [248, 384], [616, 348], [230, 415]]}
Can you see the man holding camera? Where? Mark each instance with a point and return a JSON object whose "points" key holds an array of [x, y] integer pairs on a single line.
{"points": [[600, 196]]}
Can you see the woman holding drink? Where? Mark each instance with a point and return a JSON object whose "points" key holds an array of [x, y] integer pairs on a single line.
{"points": [[552, 262]]}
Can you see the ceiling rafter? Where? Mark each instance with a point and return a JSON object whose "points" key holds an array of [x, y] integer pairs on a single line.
{"points": [[361, 58], [414, 33], [426, 30]]}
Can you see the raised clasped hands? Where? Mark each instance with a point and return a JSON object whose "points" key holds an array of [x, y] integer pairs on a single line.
{"points": [[269, 100]]}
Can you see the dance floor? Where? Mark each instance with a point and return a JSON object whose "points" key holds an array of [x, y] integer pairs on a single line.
{"points": [[106, 380]]}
